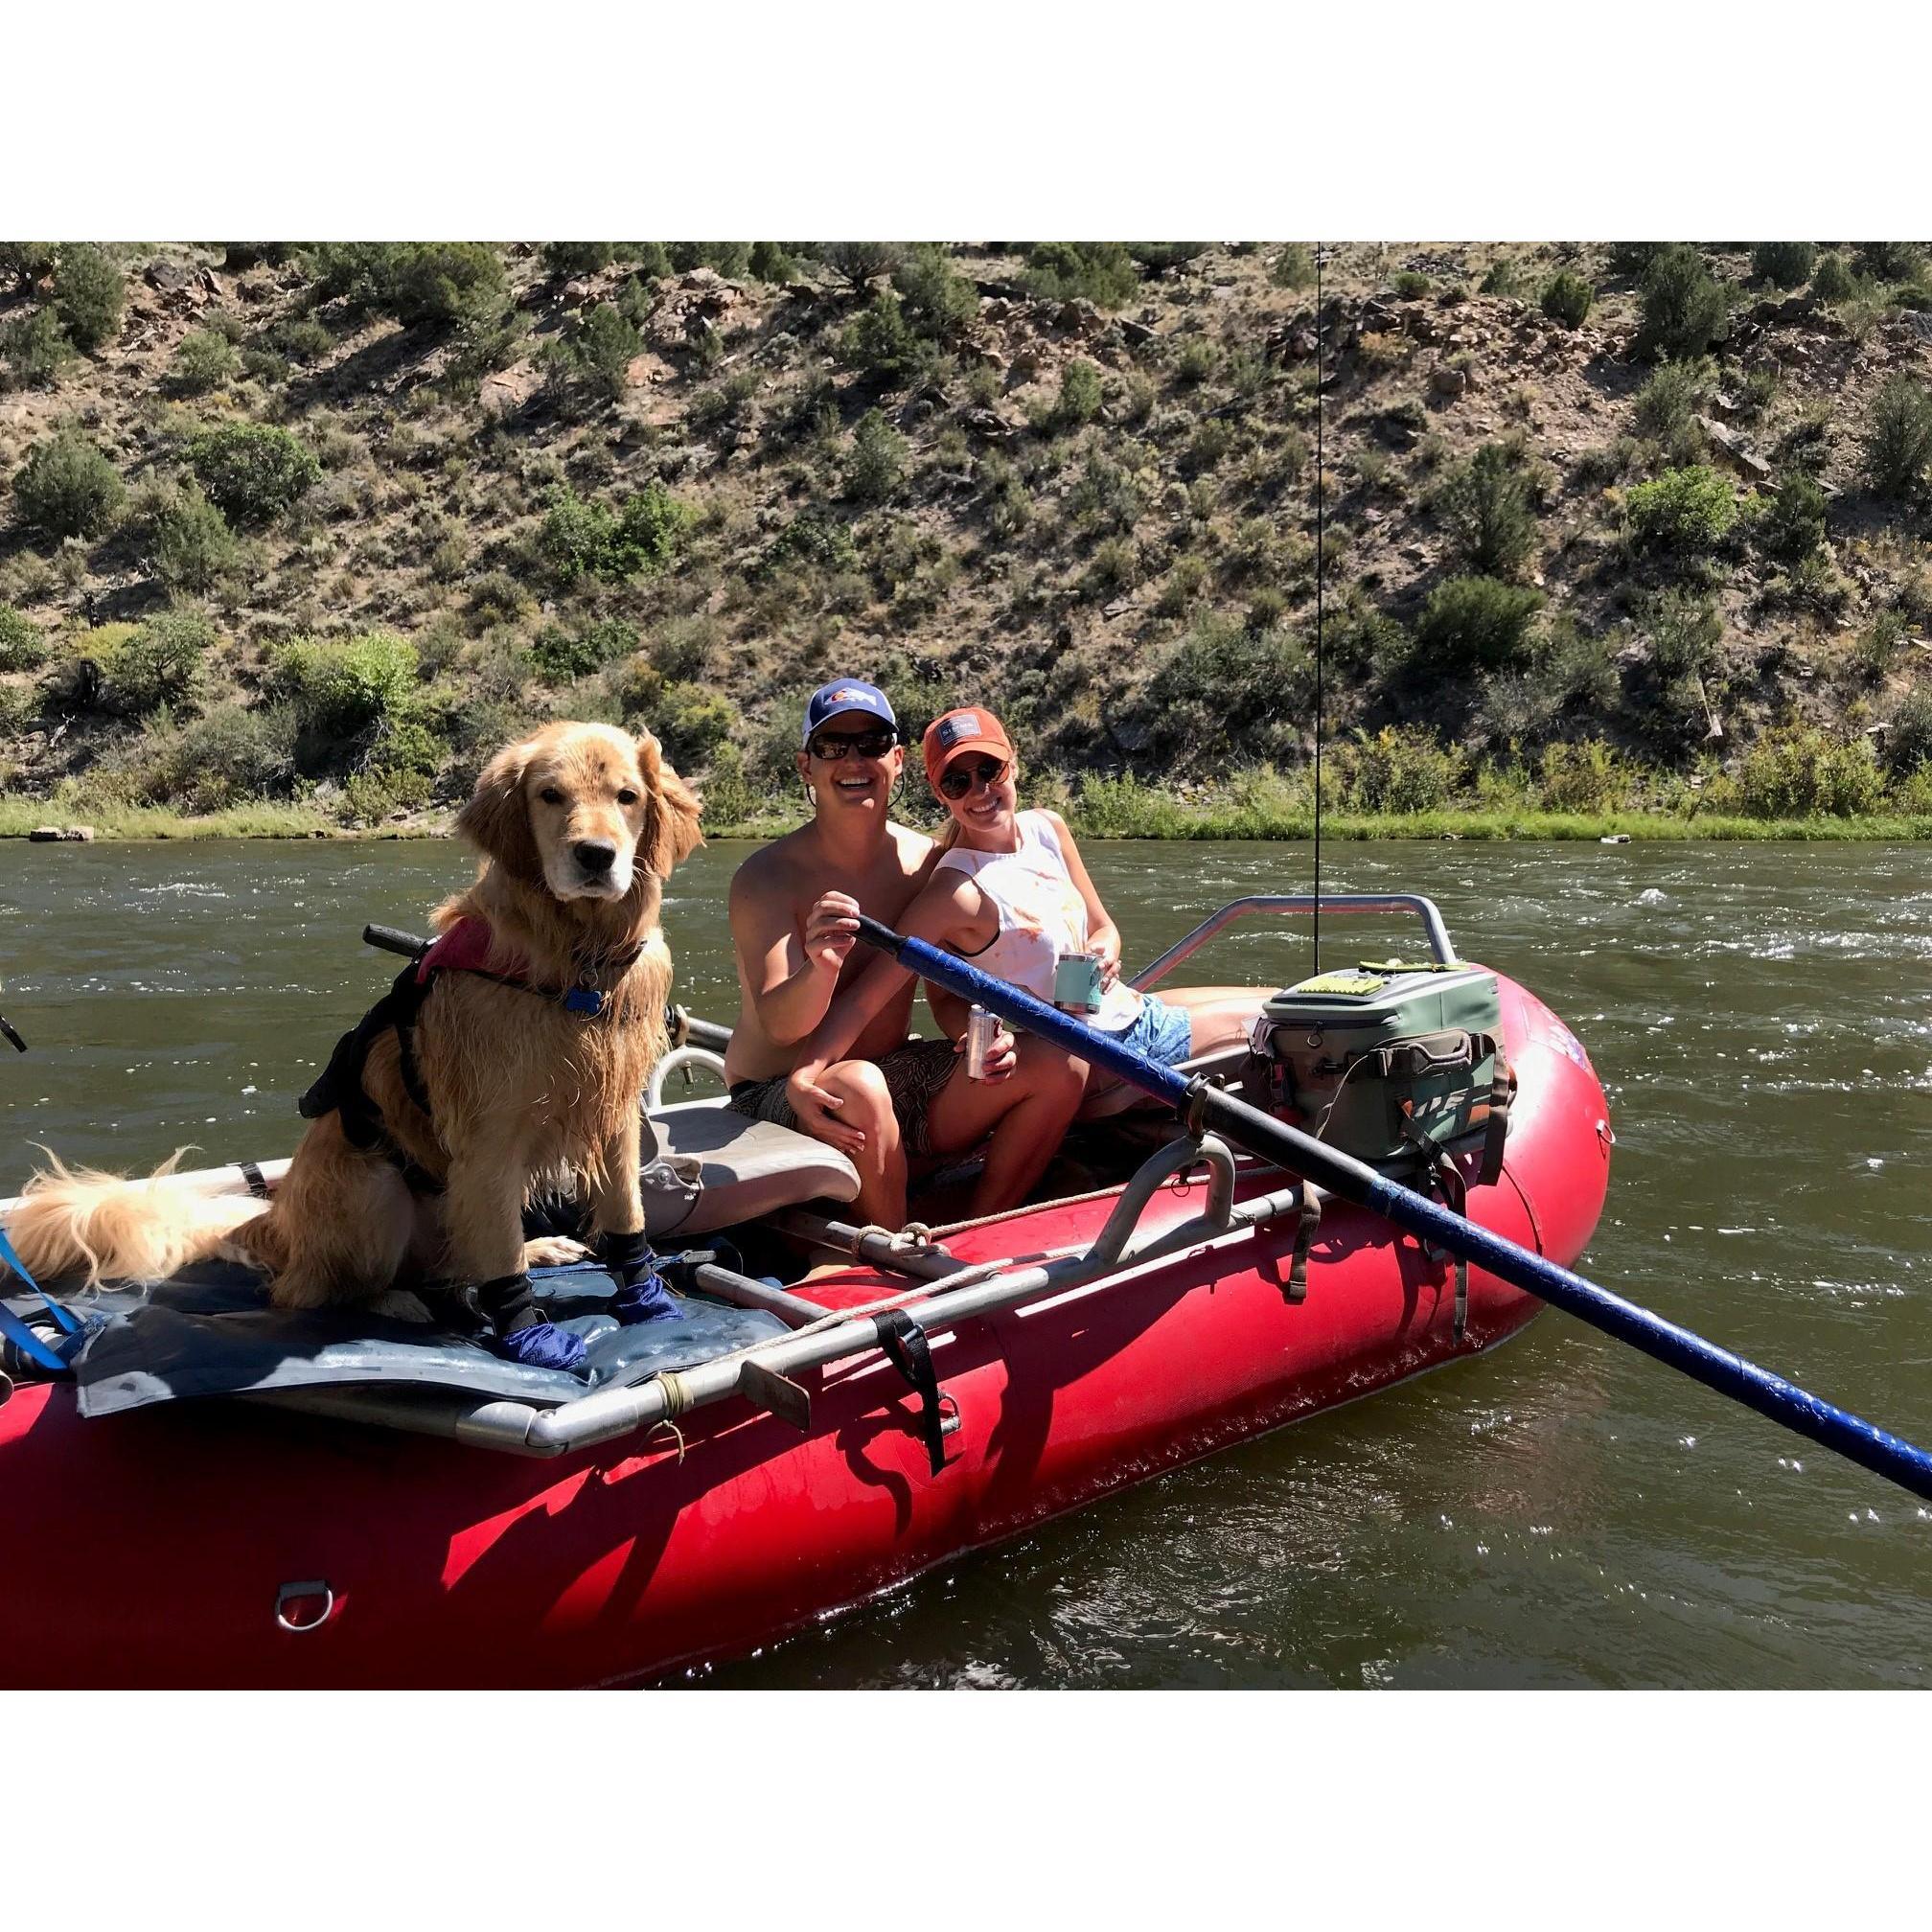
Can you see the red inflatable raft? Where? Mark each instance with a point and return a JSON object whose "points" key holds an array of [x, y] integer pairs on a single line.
{"points": [[1078, 1347]]}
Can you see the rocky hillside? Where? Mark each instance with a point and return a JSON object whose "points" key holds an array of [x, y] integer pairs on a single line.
{"points": [[1596, 526]]}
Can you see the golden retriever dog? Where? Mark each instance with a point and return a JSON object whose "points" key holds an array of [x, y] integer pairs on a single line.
{"points": [[579, 826]]}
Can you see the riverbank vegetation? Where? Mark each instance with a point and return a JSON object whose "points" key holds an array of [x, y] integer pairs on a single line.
{"points": [[1608, 538]]}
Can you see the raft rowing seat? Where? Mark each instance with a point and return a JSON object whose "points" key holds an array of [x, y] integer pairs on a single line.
{"points": [[714, 1168]]}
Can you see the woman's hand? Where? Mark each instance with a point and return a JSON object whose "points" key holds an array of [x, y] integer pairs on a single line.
{"points": [[1002, 1055], [817, 1110], [1106, 948], [831, 929]]}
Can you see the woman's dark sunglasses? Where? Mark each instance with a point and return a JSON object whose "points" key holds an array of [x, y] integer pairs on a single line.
{"points": [[867, 743], [956, 780]]}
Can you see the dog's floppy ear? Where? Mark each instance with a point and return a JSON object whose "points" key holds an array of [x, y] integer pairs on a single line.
{"points": [[496, 821], [670, 831]]}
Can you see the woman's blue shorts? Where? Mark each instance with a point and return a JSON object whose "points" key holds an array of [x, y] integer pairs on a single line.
{"points": [[1161, 1032]]}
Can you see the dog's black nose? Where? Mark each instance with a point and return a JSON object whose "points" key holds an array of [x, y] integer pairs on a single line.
{"points": [[593, 855]]}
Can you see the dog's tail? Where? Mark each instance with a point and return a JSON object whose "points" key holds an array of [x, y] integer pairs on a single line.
{"points": [[75, 1220]]}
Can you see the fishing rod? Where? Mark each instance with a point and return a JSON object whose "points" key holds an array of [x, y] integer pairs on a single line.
{"points": [[1205, 1106]]}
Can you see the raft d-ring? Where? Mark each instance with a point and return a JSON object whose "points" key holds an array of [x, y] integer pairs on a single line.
{"points": [[300, 1593], [1605, 1134], [951, 1422]]}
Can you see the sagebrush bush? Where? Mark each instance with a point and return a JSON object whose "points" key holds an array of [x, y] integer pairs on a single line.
{"points": [[1501, 278], [578, 257], [1683, 303], [877, 461], [1477, 621], [596, 361], [161, 664], [37, 350], [1410, 284], [1908, 739], [253, 471], [1666, 402], [22, 646], [203, 361], [1899, 438], [1227, 692], [231, 756], [1079, 399], [1831, 281], [859, 262], [558, 655], [340, 686], [1803, 772], [1685, 511], [429, 283], [1892, 260], [1485, 505], [1791, 525], [193, 547], [67, 488], [1567, 298], [1685, 631], [1294, 268], [1784, 265], [880, 342], [88, 293], [1100, 272]]}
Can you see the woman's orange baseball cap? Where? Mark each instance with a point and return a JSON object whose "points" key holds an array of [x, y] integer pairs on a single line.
{"points": [[955, 733]]}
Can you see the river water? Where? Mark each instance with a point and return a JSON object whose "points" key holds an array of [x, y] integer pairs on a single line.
{"points": [[1562, 1512]]}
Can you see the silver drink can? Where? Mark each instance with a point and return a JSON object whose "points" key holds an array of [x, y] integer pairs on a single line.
{"points": [[980, 1027]]}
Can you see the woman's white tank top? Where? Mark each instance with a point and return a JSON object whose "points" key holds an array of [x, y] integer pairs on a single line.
{"points": [[1041, 912]]}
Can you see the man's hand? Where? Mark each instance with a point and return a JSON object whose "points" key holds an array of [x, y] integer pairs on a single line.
{"points": [[831, 929], [817, 1110], [1001, 1056]]}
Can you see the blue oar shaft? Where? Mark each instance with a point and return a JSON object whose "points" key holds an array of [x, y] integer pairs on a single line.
{"points": [[1770, 1395]]}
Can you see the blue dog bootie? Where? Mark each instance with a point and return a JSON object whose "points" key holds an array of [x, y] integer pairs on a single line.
{"points": [[522, 1332], [641, 1293]]}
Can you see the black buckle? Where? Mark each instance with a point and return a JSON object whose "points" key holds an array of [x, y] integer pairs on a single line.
{"points": [[906, 1346]]}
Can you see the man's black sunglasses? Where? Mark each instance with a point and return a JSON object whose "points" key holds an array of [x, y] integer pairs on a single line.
{"points": [[956, 780], [832, 747]]}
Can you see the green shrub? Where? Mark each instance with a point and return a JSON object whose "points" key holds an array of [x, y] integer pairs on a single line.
{"points": [[162, 662], [728, 797], [1485, 505], [431, 284], [1079, 399], [584, 536], [67, 486], [1685, 633], [231, 756], [1399, 768], [1791, 525], [770, 263], [881, 343], [203, 361], [1831, 281], [302, 338], [35, 350], [597, 360], [1100, 272], [1476, 621], [1899, 438], [1683, 305], [558, 655], [1683, 510], [22, 647], [1500, 277], [690, 722], [1587, 777], [1158, 257], [27, 262], [1634, 258], [1908, 742], [340, 686], [1567, 298], [938, 300], [1666, 402], [253, 471], [1801, 773], [1892, 260], [1784, 265], [578, 257], [1225, 686], [1410, 286], [859, 262], [878, 459], [1294, 268], [1878, 644], [88, 291], [194, 549]]}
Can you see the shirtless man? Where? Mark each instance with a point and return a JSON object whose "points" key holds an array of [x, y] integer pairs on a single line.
{"points": [[793, 911]]}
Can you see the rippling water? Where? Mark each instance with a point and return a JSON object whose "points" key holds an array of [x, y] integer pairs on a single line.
{"points": [[1564, 1512]]}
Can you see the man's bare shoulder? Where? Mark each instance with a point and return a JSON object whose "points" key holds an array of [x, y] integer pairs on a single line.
{"points": [[916, 852], [772, 868]]}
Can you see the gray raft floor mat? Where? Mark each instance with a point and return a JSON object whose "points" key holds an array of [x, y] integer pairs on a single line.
{"points": [[210, 1331]]}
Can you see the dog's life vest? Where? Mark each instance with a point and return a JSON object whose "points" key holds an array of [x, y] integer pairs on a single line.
{"points": [[465, 948]]}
